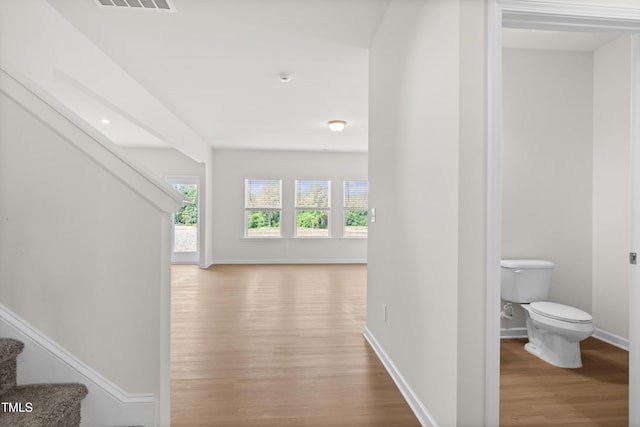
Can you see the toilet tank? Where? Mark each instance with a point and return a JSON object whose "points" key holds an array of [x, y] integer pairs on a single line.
{"points": [[525, 280]]}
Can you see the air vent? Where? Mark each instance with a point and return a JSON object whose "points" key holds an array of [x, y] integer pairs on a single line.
{"points": [[160, 5]]}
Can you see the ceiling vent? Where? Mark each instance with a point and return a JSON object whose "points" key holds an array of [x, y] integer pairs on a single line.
{"points": [[161, 5]]}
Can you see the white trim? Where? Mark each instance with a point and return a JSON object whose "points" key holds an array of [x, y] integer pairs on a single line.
{"points": [[506, 333], [634, 273], [288, 261], [609, 338], [44, 361], [206, 265], [494, 216], [164, 398], [555, 14], [612, 339], [409, 395], [184, 262]]}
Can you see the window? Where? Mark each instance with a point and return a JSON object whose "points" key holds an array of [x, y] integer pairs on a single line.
{"points": [[263, 207], [356, 205], [313, 204]]}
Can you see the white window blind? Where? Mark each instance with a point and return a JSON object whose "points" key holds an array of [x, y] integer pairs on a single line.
{"points": [[356, 195], [263, 193], [356, 204], [312, 194]]}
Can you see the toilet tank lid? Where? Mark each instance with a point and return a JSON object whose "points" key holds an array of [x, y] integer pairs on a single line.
{"points": [[526, 263]]}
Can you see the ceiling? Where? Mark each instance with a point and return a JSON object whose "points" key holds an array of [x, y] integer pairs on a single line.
{"points": [[210, 70], [216, 65]]}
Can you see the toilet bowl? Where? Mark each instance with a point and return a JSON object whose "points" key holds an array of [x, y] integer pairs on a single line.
{"points": [[555, 331]]}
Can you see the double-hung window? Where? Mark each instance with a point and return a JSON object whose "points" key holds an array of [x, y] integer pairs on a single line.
{"points": [[356, 205], [313, 204], [263, 207]]}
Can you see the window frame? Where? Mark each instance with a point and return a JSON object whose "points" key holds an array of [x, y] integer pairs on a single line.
{"points": [[297, 209], [346, 209], [248, 209]]}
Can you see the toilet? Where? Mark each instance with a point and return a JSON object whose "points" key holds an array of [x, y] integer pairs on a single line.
{"points": [[554, 330]]}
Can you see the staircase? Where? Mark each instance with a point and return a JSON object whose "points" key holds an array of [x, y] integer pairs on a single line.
{"points": [[35, 405]]}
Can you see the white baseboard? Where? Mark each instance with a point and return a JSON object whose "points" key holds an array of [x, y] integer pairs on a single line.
{"points": [[605, 336], [513, 333], [612, 339], [289, 261], [418, 409], [44, 361]]}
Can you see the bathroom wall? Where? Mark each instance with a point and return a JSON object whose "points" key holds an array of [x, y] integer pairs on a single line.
{"points": [[611, 187], [547, 167], [566, 198]]}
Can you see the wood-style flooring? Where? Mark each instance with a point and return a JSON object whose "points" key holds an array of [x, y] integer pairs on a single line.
{"points": [[276, 345], [535, 393], [283, 346]]}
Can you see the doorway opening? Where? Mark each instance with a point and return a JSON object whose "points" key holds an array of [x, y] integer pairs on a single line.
{"points": [[185, 236], [532, 15]]}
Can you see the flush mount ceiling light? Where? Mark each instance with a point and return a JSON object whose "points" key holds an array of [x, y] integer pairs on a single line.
{"points": [[105, 121], [337, 125]]}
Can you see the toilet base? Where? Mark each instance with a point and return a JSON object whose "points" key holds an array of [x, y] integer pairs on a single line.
{"points": [[553, 348], [569, 359]]}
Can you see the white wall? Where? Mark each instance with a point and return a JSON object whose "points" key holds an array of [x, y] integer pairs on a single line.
{"points": [[80, 253], [472, 222], [43, 45], [421, 96], [547, 169], [232, 167], [163, 162], [565, 198], [611, 187]]}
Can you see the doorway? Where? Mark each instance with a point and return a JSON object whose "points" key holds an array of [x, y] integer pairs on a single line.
{"points": [[536, 16], [185, 236]]}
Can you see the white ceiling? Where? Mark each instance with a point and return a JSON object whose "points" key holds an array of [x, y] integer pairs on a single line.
{"points": [[216, 63], [214, 66]]}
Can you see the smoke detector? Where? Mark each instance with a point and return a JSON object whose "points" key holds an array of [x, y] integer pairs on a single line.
{"points": [[160, 5], [284, 77]]}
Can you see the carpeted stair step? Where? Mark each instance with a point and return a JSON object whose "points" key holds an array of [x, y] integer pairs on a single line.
{"points": [[9, 351], [42, 405]]}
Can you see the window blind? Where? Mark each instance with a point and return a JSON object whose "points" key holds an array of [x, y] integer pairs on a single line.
{"points": [[312, 194], [263, 193], [356, 195]]}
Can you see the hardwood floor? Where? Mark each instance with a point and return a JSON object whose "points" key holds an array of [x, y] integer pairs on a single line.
{"points": [[277, 345], [534, 393]]}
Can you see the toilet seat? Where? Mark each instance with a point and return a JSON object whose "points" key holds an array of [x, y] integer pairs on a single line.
{"points": [[561, 312]]}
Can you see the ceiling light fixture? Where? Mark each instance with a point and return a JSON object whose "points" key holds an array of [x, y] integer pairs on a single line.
{"points": [[337, 125], [105, 121]]}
